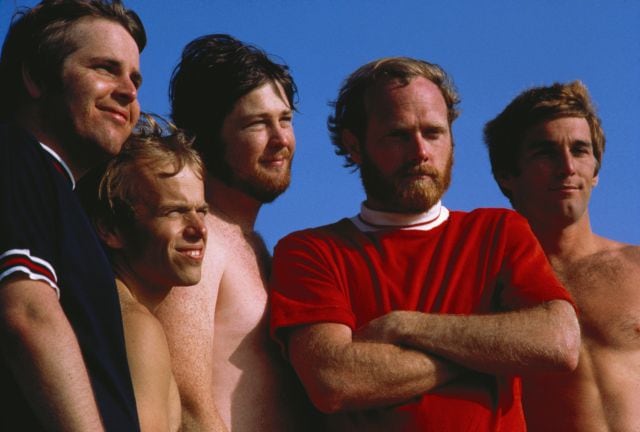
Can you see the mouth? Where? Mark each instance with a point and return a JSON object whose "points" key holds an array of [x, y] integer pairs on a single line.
{"points": [[275, 162], [121, 116], [564, 188], [192, 253]]}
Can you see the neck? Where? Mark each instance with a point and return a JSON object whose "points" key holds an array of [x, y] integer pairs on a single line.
{"points": [[141, 291], [567, 242], [232, 205]]}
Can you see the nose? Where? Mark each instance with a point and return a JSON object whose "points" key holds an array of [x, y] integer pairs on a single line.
{"points": [[195, 228], [418, 147], [282, 135], [127, 91], [566, 164]]}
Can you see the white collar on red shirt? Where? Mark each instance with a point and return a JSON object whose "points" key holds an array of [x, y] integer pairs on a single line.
{"points": [[373, 220], [63, 165]]}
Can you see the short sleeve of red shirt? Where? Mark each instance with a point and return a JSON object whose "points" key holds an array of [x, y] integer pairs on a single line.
{"points": [[304, 289], [527, 278]]}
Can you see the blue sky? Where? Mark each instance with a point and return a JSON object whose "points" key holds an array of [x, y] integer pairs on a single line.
{"points": [[492, 49]]}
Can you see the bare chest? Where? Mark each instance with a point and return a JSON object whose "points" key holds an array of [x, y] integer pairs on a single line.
{"points": [[242, 296], [607, 294]]}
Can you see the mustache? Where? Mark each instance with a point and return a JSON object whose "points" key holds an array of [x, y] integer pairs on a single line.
{"points": [[420, 170], [283, 153]]}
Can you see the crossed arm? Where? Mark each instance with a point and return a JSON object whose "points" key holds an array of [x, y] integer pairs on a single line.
{"points": [[43, 354], [404, 354]]}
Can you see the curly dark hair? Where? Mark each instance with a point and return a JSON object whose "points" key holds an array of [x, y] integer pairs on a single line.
{"points": [[214, 72]]}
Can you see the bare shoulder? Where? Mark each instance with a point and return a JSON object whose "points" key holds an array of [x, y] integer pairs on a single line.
{"points": [[613, 258], [143, 332]]}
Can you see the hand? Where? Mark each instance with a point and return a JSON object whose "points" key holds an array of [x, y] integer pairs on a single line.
{"points": [[384, 329]]}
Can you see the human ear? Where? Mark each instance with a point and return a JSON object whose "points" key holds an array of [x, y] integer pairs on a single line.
{"points": [[109, 235], [505, 181], [33, 88], [352, 145]]}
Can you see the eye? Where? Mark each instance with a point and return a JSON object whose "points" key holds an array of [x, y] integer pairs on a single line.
{"points": [[399, 135], [286, 120], [104, 68], [581, 150]]}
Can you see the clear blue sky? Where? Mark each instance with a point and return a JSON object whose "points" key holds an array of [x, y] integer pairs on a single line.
{"points": [[493, 50]]}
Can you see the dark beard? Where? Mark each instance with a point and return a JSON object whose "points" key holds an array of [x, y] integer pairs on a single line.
{"points": [[261, 188], [405, 198]]}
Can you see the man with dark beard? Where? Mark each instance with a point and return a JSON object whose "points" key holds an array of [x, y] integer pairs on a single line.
{"points": [[407, 316], [239, 105]]}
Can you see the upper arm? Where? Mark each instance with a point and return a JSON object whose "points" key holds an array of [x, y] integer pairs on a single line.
{"points": [[526, 275], [150, 367], [24, 301]]}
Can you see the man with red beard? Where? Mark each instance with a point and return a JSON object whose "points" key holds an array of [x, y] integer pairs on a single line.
{"points": [[239, 105], [409, 316]]}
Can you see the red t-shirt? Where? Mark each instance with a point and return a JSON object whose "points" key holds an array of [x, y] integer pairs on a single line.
{"points": [[484, 261]]}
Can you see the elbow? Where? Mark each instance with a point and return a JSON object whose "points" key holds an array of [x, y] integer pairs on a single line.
{"points": [[326, 395], [570, 349], [567, 338]]}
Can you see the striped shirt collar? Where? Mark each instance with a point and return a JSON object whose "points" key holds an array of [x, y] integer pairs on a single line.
{"points": [[60, 165], [373, 220]]}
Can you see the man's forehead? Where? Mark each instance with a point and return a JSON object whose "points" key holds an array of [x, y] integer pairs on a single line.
{"points": [[270, 95], [385, 96], [92, 33], [549, 129]]}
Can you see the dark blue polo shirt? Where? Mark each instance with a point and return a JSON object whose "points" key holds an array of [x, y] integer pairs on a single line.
{"points": [[45, 234]]}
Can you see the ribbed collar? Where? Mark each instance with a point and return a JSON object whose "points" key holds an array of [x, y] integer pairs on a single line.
{"points": [[373, 220]]}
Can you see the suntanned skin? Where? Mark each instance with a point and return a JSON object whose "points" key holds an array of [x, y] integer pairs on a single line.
{"points": [[603, 394], [230, 374], [404, 354], [157, 397], [163, 247]]}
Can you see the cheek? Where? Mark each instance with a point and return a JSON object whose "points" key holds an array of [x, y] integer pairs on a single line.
{"points": [[135, 112]]}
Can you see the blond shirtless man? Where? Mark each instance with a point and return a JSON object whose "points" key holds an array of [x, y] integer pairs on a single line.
{"points": [[239, 105], [150, 215], [546, 149]]}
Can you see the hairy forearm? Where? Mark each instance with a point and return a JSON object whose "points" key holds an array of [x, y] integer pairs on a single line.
{"points": [[341, 374], [201, 419], [546, 337], [42, 352]]}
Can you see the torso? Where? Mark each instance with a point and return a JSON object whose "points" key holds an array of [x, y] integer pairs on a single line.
{"points": [[603, 394], [155, 383], [253, 387]]}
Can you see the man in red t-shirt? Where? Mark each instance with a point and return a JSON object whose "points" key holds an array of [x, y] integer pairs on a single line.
{"points": [[409, 316], [546, 148]]}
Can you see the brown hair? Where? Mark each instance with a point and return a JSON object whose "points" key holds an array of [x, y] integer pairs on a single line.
{"points": [[350, 110], [503, 135], [38, 41], [150, 146]]}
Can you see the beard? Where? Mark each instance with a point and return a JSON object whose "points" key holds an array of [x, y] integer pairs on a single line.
{"points": [[399, 192], [260, 183]]}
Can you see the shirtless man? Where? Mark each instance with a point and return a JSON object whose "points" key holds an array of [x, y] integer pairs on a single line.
{"points": [[546, 149], [239, 104], [150, 214]]}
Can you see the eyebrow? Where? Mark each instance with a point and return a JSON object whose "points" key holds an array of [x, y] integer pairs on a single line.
{"points": [[135, 76]]}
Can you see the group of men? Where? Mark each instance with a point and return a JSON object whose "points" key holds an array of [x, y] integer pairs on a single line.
{"points": [[148, 309]]}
